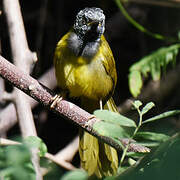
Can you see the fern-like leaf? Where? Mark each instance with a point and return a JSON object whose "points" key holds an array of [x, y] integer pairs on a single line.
{"points": [[153, 64]]}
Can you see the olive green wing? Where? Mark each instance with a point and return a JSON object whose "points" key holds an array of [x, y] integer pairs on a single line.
{"points": [[64, 67], [108, 60]]}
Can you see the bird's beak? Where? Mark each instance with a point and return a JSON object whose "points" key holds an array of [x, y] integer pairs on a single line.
{"points": [[97, 26], [93, 23]]}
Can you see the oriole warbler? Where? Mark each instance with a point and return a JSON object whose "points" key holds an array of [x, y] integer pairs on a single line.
{"points": [[85, 70]]}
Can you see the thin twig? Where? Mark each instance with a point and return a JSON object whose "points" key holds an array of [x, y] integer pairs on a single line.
{"points": [[66, 154], [45, 96]]}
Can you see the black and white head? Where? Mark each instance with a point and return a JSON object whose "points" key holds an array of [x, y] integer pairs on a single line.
{"points": [[90, 22]]}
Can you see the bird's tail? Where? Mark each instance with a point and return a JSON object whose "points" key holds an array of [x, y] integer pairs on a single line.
{"points": [[97, 157]]}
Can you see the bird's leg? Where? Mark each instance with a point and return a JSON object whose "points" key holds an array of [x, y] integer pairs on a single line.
{"points": [[101, 105], [93, 116], [56, 99]]}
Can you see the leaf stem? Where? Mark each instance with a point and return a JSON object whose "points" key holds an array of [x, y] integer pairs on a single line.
{"points": [[135, 131]]}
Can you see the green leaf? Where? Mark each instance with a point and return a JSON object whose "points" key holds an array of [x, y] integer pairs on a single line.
{"points": [[147, 107], [116, 118], [152, 136], [161, 116], [75, 175], [113, 130], [36, 142], [113, 124], [17, 154], [16, 163], [135, 83], [149, 143], [137, 104], [152, 64]]}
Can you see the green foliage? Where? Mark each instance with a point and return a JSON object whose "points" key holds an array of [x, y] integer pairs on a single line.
{"points": [[116, 118], [113, 124], [15, 160], [75, 175], [162, 163], [147, 107], [15, 163], [159, 137], [117, 126], [36, 142], [151, 64], [162, 116], [137, 104], [112, 130]]}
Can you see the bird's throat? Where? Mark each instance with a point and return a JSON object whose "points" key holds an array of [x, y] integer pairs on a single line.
{"points": [[83, 45], [88, 48]]}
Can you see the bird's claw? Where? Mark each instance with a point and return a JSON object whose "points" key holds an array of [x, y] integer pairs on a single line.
{"points": [[55, 100]]}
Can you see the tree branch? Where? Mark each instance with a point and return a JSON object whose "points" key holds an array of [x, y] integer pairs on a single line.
{"points": [[23, 58], [66, 154], [8, 117], [44, 95]]}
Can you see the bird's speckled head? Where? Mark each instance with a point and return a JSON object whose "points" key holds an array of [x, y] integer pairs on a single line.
{"points": [[90, 19]]}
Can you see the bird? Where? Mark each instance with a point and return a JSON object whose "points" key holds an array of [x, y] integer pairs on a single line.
{"points": [[86, 73]]}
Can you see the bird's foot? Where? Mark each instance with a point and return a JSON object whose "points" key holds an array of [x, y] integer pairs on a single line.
{"points": [[55, 100], [91, 117], [90, 121]]}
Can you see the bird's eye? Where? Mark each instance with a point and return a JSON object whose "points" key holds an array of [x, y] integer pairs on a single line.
{"points": [[83, 21]]}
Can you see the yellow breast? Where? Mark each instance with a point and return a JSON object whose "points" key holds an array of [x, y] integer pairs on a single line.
{"points": [[80, 76], [84, 79]]}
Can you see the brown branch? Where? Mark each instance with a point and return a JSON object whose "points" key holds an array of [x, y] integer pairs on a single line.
{"points": [[23, 58], [66, 154], [44, 95], [8, 117]]}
